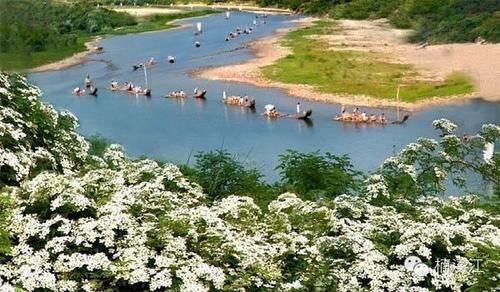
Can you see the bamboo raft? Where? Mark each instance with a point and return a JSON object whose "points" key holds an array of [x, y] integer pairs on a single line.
{"points": [[176, 95], [377, 122], [144, 92], [83, 92], [305, 115], [236, 101]]}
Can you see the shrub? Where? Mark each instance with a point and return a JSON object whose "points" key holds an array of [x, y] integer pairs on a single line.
{"points": [[317, 176]]}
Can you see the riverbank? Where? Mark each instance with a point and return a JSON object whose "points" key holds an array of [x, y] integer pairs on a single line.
{"points": [[242, 7], [78, 58], [145, 11], [270, 50], [88, 44]]}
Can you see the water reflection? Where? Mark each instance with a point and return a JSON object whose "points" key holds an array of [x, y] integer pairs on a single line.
{"points": [[308, 122]]}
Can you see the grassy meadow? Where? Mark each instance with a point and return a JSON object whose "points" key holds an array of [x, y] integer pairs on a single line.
{"points": [[313, 62]]}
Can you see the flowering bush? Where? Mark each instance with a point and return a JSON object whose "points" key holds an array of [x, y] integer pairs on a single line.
{"points": [[33, 136], [75, 221]]}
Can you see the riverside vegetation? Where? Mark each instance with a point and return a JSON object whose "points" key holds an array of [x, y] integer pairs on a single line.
{"points": [[313, 62], [433, 21], [76, 215], [34, 33]]}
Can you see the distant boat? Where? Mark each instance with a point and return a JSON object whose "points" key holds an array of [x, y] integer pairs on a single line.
{"points": [[228, 14], [248, 102], [176, 94], [199, 94], [198, 27], [339, 118]]}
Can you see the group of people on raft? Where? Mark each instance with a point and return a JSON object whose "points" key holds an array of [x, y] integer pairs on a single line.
{"points": [[239, 100], [177, 94], [360, 117], [89, 88], [129, 87], [181, 94], [271, 112]]}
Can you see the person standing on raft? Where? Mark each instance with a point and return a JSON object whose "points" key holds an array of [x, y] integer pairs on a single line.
{"points": [[88, 81]]}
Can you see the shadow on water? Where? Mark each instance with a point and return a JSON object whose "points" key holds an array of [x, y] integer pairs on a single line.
{"points": [[307, 122]]}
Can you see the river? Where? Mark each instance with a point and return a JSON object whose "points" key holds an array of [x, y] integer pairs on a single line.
{"points": [[174, 130]]}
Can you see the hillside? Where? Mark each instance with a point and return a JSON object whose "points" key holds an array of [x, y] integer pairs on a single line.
{"points": [[33, 33], [434, 21]]}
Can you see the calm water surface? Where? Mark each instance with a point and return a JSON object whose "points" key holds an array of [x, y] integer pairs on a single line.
{"points": [[173, 130]]}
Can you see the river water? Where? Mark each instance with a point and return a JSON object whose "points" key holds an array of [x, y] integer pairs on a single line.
{"points": [[174, 130]]}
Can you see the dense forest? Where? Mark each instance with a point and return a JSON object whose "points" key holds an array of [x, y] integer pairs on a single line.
{"points": [[33, 26], [434, 21]]}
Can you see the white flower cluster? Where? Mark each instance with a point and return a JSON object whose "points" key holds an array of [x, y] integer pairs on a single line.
{"points": [[33, 133], [445, 126], [129, 225]]}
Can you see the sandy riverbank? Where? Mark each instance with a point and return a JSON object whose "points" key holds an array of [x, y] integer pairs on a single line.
{"points": [[78, 58], [145, 11], [432, 62], [242, 7]]}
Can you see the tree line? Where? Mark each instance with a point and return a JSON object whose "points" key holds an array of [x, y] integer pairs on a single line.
{"points": [[34, 26], [434, 21]]}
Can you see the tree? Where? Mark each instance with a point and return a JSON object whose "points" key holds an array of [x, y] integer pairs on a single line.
{"points": [[318, 176]]}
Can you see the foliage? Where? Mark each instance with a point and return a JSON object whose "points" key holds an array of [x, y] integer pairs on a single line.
{"points": [[317, 176], [111, 223], [221, 175], [33, 136], [98, 144], [434, 21], [425, 166], [158, 21], [33, 33], [354, 72], [6, 205], [35, 26]]}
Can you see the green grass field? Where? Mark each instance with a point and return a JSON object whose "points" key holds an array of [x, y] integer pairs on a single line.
{"points": [[20, 61], [25, 60], [353, 72]]}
